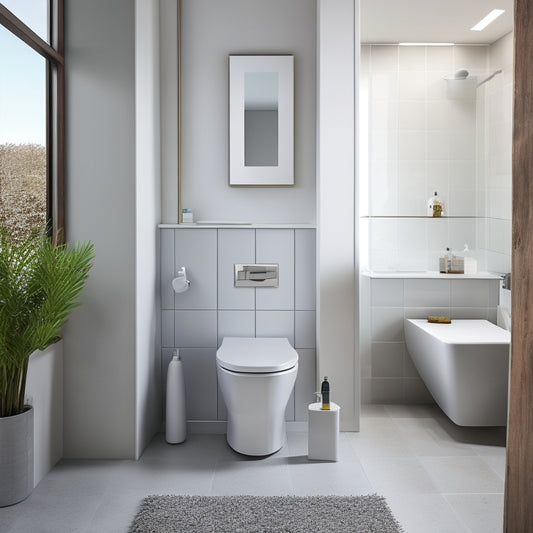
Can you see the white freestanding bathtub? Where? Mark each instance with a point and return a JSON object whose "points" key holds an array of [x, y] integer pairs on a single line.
{"points": [[465, 366]]}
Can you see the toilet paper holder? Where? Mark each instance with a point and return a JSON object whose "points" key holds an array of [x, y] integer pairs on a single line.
{"points": [[180, 283]]}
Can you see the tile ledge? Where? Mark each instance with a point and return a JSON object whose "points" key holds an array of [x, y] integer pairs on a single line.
{"points": [[427, 275], [237, 225]]}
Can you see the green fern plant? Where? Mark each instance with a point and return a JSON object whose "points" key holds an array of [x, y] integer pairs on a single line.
{"points": [[40, 282]]}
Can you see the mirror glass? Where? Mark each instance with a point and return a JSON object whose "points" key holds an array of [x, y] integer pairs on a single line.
{"points": [[261, 121]]}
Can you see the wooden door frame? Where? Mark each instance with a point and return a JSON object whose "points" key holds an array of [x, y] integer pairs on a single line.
{"points": [[518, 507]]}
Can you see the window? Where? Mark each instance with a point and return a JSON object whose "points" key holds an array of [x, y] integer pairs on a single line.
{"points": [[31, 116]]}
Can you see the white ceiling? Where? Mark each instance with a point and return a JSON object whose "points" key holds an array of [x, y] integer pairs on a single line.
{"points": [[394, 21]]}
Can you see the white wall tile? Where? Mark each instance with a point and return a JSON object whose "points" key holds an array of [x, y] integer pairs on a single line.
{"points": [[412, 85], [304, 329], [167, 329], [305, 385], [197, 251], [234, 246], [438, 115], [436, 88], [438, 179], [470, 293], [412, 237], [415, 391], [387, 323], [470, 57], [195, 329], [409, 368], [427, 293], [384, 85], [235, 324], [168, 270], [469, 313], [411, 115], [424, 312], [386, 390], [386, 292], [276, 246], [384, 58], [412, 144], [462, 230], [384, 187], [387, 359], [412, 58], [275, 324], [440, 57], [412, 195], [199, 370], [439, 142], [305, 269]]}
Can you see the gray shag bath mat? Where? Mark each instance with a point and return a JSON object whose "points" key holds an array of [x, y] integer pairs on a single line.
{"points": [[254, 514]]}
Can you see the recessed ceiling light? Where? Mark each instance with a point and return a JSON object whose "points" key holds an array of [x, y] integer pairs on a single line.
{"points": [[426, 44], [493, 15]]}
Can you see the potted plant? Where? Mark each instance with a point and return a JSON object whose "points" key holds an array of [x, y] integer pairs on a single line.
{"points": [[40, 282]]}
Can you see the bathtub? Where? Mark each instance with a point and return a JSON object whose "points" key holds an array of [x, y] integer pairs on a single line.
{"points": [[465, 366]]}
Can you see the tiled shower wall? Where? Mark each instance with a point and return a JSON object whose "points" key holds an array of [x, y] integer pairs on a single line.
{"points": [[196, 321], [421, 138], [388, 374]]}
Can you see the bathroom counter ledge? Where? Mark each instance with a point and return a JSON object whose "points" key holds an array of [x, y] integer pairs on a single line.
{"points": [[428, 275], [242, 225]]}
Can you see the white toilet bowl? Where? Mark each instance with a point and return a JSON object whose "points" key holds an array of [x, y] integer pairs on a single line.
{"points": [[256, 377]]}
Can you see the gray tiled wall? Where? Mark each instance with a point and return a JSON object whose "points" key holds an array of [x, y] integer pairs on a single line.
{"points": [[196, 321], [388, 374]]}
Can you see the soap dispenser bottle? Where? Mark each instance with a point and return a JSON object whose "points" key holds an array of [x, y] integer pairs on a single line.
{"points": [[324, 389], [175, 419], [434, 206]]}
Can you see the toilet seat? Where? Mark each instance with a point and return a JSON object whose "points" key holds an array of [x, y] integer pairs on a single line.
{"points": [[258, 355]]}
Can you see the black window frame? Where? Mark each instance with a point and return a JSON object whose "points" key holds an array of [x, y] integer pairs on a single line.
{"points": [[54, 53]]}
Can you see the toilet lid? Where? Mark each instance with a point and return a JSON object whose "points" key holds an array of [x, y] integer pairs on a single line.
{"points": [[256, 355]]}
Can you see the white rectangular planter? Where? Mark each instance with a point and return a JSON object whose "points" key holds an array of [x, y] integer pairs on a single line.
{"points": [[44, 391]]}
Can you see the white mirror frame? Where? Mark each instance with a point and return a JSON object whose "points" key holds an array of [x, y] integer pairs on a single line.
{"points": [[283, 174]]}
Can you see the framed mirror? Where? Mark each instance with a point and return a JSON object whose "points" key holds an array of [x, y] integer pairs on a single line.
{"points": [[261, 120]]}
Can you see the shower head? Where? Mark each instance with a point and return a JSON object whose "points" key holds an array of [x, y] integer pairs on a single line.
{"points": [[460, 74]]}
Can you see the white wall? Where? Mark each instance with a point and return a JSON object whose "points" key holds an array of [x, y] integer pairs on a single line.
{"points": [[422, 138], [211, 30], [495, 103], [168, 53], [147, 216], [336, 254], [100, 339]]}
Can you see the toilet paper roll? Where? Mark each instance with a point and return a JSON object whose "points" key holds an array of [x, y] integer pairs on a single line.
{"points": [[180, 284]]}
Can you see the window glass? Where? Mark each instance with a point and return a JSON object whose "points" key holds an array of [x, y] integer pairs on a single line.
{"points": [[22, 136], [34, 13]]}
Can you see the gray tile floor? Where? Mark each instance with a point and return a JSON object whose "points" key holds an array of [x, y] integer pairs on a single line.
{"points": [[436, 476]]}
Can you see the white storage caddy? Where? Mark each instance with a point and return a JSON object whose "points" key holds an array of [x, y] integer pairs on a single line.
{"points": [[323, 435]]}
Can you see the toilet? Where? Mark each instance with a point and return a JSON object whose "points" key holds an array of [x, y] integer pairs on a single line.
{"points": [[256, 377]]}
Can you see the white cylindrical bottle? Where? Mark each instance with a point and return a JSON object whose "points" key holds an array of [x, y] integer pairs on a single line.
{"points": [[175, 422]]}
